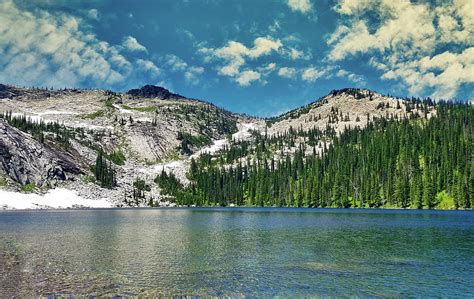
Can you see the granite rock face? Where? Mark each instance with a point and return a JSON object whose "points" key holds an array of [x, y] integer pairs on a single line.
{"points": [[26, 160]]}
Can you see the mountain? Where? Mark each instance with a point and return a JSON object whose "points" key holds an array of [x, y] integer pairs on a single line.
{"points": [[150, 146]]}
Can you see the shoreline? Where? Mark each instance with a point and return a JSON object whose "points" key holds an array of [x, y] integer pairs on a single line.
{"points": [[67, 199]]}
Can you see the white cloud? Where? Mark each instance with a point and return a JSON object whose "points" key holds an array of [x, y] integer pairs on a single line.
{"points": [[311, 74], [275, 27], [443, 73], [130, 43], [176, 63], [295, 54], [350, 7], [246, 77], [267, 69], [359, 79], [93, 14], [148, 66], [408, 42], [287, 72], [41, 48], [302, 6], [264, 46], [234, 55], [192, 74], [354, 40]]}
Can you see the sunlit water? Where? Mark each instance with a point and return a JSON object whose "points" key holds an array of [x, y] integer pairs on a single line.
{"points": [[237, 252]]}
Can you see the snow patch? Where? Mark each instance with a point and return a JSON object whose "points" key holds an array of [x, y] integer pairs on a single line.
{"points": [[123, 110], [216, 146], [244, 131], [91, 127], [56, 112], [59, 198]]}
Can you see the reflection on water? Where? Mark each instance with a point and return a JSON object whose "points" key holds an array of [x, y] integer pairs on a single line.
{"points": [[236, 252]]}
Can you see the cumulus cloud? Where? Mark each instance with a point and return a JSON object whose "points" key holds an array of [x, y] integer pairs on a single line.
{"points": [[130, 43], [148, 66], [296, 54], [246, 77], [359, 79], [408, 42], [93, 14], [40, 48], [234, 55], [303, 6], [48, 49], [175, 63], [190, 73], [311, 74], [267, 69], [287, 72]]}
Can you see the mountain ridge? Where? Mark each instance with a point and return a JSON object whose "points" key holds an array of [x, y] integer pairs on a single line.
{"points": [[149, 131]]}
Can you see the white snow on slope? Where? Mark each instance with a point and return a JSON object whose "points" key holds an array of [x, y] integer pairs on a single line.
{"points": [[55, 199], [242, 134], [211, 149], [123, 110], [244, 131], [180, 167], [56, 112]]}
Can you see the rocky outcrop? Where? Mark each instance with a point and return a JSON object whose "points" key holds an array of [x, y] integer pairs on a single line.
{"points": [[26, 160], [152, 91], [7, 92]]}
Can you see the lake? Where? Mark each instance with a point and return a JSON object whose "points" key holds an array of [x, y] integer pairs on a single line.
{"points": [[250, 252]]}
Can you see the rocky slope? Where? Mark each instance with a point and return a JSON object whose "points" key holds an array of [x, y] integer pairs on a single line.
{"points": [[145, 128], [149, 130], [28, 161]]}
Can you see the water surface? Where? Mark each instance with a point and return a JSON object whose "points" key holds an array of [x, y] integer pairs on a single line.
{"points": [[237, 252]]}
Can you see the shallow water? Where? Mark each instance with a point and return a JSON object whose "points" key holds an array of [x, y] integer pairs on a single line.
{"points": [[237, 252]]}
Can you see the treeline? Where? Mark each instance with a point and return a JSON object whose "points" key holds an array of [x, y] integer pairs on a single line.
{"points": [[416, 163], [40, 130]]}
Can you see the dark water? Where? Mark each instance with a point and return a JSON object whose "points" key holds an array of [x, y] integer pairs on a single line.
{"points": [[237, 252]]}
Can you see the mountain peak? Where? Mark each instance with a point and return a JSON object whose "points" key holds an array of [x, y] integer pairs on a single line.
{"points": [[152, 91], [358, 93]]}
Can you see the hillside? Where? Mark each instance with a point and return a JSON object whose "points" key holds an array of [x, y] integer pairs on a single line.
{"points": [[149, 146], [417, 162], [138, 131]]}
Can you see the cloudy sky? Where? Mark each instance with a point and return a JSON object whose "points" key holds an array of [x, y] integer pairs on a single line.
{"points": [[261, 57]]}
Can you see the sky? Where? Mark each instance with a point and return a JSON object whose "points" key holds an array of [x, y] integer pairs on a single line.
{"points": [[260, 57]]}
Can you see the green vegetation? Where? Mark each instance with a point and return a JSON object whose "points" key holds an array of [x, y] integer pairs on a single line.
{"points": [[408, 163], [104, 172], [3, 181], [93, 115], [188, 140], [109, 102], [141, 109], [41, 131], [30, 187], [117, 157], [139, 188], [445, 201]]}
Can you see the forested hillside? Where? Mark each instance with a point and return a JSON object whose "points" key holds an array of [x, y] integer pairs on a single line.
{"points": [[415, 162]]}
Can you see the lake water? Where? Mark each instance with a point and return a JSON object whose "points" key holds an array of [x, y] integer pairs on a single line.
{"points": [[237, 252]]}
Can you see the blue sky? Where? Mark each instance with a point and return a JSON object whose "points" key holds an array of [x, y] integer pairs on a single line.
{"points": [[260, 57]]}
